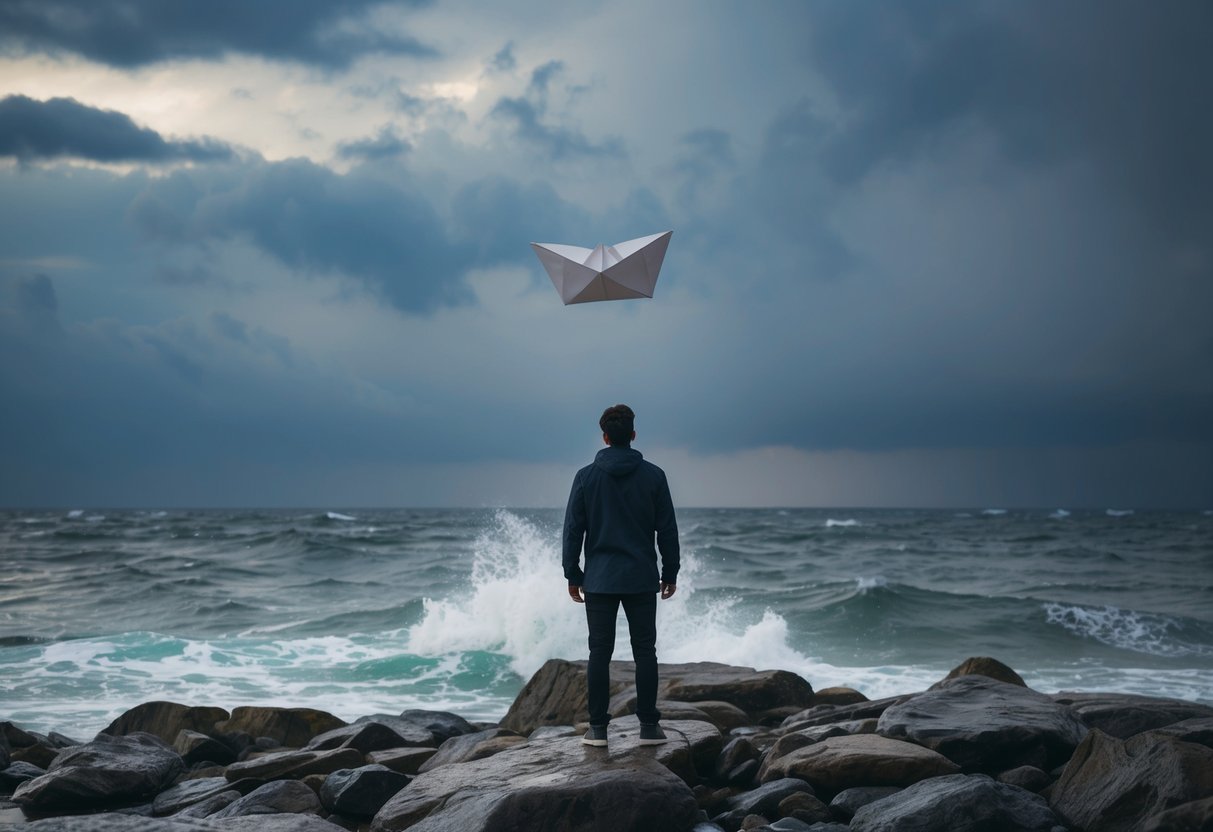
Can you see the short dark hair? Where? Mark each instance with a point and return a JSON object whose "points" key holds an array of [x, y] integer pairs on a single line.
{"points": [[618, 422]]}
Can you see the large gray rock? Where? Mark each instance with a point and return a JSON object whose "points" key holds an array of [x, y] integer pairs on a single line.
{"points": [[363, 736], [1124, 714], [292, 727], [441, 724], [862, 760], [849, 801], [556, 694], [5, 751], [282, 765], [106, 772], [165, 720], [1112, 785], [16, 774], [1199, 731], [130, 823], [282, 796], [188, 792], [818, 715], [360, 792], [985, 725], [403, 760], [208, 806], [195, 747], [1196, 816], [982, 666], [690, 753], [957, 803], [545, 784], [763, 800], [475, 746]]}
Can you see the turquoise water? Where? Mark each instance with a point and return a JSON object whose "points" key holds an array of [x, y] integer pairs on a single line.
{"points": [[362, 611]]}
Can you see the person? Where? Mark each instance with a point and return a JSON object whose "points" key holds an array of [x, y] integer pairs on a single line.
{"points": [[617, 506]]}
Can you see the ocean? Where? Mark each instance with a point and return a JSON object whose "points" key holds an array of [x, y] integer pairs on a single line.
{"points": [[359, 611]]}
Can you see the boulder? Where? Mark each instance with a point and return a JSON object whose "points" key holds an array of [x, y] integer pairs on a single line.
{"points": [[957, 803], [131, 823], [690, 753], [210, 805], [985, 725], [475, 746], [442, 725], [849, 801], [763, 801], [805, 808], [292, 727], [17, 773], [724, 715], [282, 796], [165, 720], [1199, 731], [545, 784], [863, 760], [982, 666], [188, 792], [15, 737], [363, 736], [838, 696], [1113, 784], [361, 792], [282, 765], [1195, 816], [38, 754], [556, 694], [403, 760], [106, 772], [199, 748], [737, 751], [544, 732], [828, 714], [1124, 714], [5, 751], [1026, 777]]}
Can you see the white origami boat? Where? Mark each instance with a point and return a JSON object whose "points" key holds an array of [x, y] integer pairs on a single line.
{"points": [[624, 270]]}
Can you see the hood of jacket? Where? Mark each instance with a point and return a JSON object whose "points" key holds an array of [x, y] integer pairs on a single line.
{"points": [[618, 462]]}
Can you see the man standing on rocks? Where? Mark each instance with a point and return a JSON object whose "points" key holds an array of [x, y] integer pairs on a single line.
{"points": [[617, 506]]}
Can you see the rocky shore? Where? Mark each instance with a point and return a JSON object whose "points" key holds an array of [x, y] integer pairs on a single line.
{"points": [[748, 750]]}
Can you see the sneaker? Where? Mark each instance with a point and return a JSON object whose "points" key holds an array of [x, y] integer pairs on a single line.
{"points": [[595, 736], [651, 735]]}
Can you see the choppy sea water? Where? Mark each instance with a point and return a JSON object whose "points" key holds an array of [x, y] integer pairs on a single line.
{"points": [[361, 611]]}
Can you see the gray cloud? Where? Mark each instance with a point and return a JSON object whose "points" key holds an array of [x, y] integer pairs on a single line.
{"points": [[384, 145], [134, 33], [527, 115], [63, 127]]}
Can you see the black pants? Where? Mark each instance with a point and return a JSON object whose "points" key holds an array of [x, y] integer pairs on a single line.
{"points": [[641, 611]]}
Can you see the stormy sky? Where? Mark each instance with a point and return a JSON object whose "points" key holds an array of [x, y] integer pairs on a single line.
{"points": [[924, 254]]}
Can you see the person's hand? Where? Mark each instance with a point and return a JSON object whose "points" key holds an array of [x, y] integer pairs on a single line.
{"points": [[576, 594], [667, 590]]}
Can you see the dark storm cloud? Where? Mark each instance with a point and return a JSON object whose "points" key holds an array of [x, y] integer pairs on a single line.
{"points": [[132, 33], [527, 115], [504, 60], [384, 145], [63, 127], [1120, 83]]}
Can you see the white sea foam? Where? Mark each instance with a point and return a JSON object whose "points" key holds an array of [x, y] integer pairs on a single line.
{"points": [[75, 513], [994, 512], [843, 523], [1060, 514], [517, 604], [1119, 512], [1140, 632], [332, 515], [863, 583]]}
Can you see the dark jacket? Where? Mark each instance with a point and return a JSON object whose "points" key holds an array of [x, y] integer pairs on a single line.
{"points": [[617, 505]]}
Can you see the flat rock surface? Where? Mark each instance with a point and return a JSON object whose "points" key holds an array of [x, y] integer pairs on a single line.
{"points": [[957, 803], [839, 763], [1124, 714], [294, 764], [545, 784], [283, 796], [985, 725]]}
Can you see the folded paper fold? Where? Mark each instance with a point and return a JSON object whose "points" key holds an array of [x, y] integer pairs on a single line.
{"points": [[624, 270]]}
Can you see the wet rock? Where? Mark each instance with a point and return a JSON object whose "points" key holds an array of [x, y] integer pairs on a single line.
{"points": [[17, 773], [849, 801], [37, 754], [15, 737], [1122, 715], [724, 715], [1199, 731], [282, 796], [280, 765], [545, 732], [737, 751], [197, 748], [958, 803], [828, 714], [863, 760], [838, 696], [763, 801], [411, 733], [57, 740], [1026, 777], [360, 792], [982, 666], [1112, 784], [985, 725], [475, 746], [743, 774], [1195, 816], [545, 784], [752, 823], [442, 725], [188, 792], [403, 760], [690, 753], [127, 823], [210, 805], [165, 720], [804, 807], [363, 736], [292, 727], [108, 771]]}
